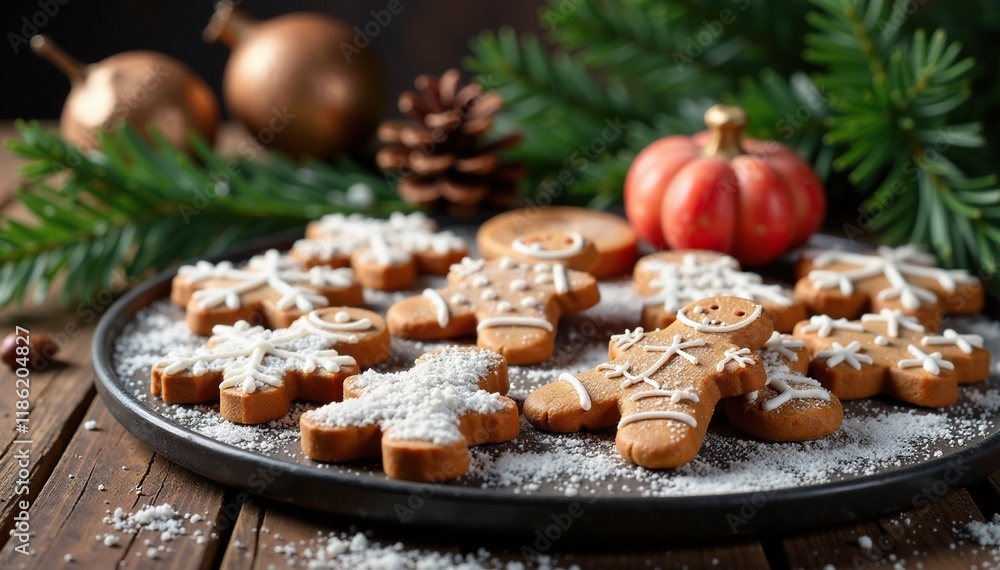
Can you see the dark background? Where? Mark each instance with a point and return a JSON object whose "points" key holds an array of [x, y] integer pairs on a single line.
{"points": [[427, 36]]}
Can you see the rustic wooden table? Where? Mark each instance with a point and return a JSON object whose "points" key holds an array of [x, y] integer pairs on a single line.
{"points": [[69, 465]]}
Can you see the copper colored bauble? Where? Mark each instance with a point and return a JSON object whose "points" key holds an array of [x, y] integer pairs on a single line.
{"points": [[141, 88], [299, 82]]}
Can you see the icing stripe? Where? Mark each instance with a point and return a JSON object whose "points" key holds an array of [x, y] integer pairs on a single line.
{"points": [[514, 322], [703, 327], [581, 390], [674, 395], [440, 305], [641, 416], [559, 279], [535, 250]]}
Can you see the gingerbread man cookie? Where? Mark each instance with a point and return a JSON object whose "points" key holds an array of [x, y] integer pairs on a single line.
{"points": [[421, 421], [661, 387], [890, 353], [671, 279], [791, 406], [597, 242], [272, 290], [845, 285], [512, 307], [255, 373], [385, 254]]}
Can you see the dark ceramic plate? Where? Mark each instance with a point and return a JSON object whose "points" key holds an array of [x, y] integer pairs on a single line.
{"points": [[887, 457]]}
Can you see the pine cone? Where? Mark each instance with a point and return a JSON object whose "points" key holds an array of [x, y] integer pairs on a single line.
{"points": [[440, 157]]}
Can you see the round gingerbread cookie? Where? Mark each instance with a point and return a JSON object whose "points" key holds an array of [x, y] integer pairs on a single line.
{"points": [[602, 244]]}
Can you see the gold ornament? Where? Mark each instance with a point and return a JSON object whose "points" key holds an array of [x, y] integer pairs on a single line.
{"points": [[298, 82], [141, 88]]}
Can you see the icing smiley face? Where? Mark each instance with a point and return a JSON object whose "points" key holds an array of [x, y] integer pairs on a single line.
{"points": [[714, 317], [549, 244]]}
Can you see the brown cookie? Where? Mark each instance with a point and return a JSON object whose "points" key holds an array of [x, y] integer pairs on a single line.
{"points": [[272, 290], [255, 373], [586, 240], [421, 421], [661, 387], [889, 353], [845, 285], [385, 254], [671, 279], [791, 406], [513, 308]]}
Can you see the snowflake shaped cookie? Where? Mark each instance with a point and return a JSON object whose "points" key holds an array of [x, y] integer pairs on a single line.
{"points": [[272, 290], [671, 279], [255, 373], [661, 387], [843, 284], [513, 308], [890, 353], [420, 421], [791, 406], [386, 254]]}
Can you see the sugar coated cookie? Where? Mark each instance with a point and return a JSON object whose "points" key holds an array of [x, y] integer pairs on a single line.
{"points": [[671, 279], [845, 285], [513, 308], [890, 353], [385, 254], [661, 387], [586, 240], [272, 290], [420, 421], [255, 373]]}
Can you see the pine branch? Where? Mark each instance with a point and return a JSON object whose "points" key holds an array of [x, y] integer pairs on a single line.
{"points": [[892, 102], [135, 207]]}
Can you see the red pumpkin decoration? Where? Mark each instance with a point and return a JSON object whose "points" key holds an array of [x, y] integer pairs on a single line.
{"points": [[722, 191]]}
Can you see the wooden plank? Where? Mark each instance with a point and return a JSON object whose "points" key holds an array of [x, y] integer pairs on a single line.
{"points": [[69, 513], [59, 397], [923, 537], [265, 530]]}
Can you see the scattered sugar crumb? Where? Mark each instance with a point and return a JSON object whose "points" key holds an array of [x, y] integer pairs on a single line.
{"points": [[985, 533], [865, 542], [90, 425]]}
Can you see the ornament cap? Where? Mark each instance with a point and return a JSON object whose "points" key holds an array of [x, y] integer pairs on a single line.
{"points": [[726, 124], [229, 25], [44, 47]]}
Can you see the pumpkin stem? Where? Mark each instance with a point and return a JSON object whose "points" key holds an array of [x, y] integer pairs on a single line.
{"points": [[46, 48], [228, 25], [726, 123]]}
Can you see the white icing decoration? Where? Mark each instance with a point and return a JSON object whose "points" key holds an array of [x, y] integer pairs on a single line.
{"points": [[659, 415], [459, 299], [881, 341], [542, 268], [628, 339], [529, 302], [778, 381], [559, 279], [392, 241], [489, 295], [288, 278], [674, 395], [518, 285], [823, 325], [247, 347], [932, 363], [543, 279], [786, 347], [467, 266], [506, 263], [677, 284], [715, 328], [338, 329], [676, 347], [514, 322], [949, 337], [581, 390], [535, 249], [480, 281], [505, 307], [440, 307], [741, 356], [894, 319], [896, 264], [848, 354]]}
